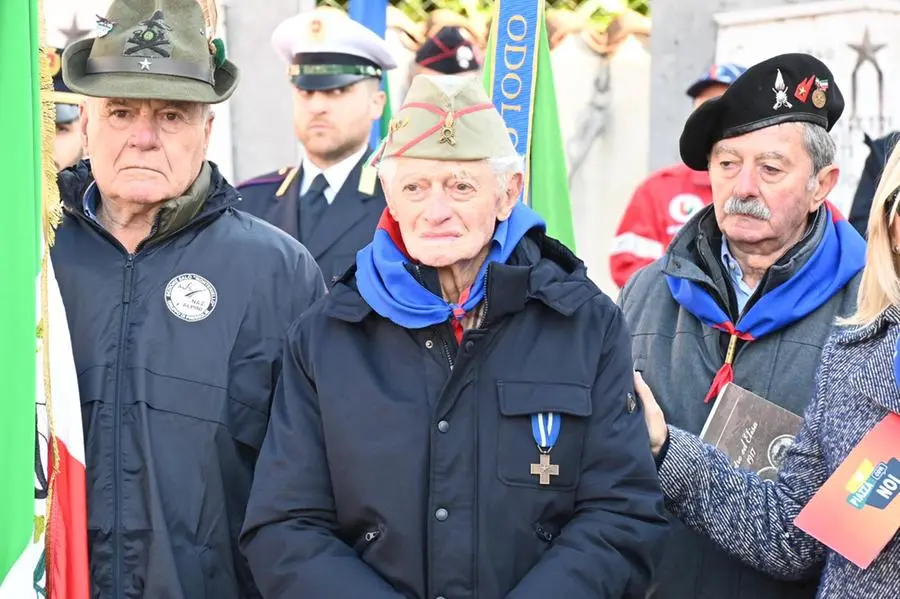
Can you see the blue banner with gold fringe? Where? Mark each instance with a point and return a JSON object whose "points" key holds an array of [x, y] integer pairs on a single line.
{"points": [[515, 33]]}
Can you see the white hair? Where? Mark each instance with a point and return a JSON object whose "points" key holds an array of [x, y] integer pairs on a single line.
{"points": [[821, 148], [503, 168]]}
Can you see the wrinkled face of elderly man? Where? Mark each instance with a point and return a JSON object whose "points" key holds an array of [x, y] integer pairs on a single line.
{"points": [[447, 210], [145, 151], [766, 183]]}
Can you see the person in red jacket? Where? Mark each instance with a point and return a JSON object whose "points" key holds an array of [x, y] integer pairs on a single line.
{"points": [[668, 198]]}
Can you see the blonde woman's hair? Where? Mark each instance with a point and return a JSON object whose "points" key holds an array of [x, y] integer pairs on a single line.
{"points": [[880, 285]]}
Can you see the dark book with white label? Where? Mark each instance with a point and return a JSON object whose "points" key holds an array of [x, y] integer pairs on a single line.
{"points": [[754, 432]]}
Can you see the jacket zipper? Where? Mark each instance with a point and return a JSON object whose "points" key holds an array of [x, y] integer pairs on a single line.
{"points": [[367, 540], [447, 353], [128, 282], [487, 300], [127, 288], [445, 346], [543, 534], [372, 535]]}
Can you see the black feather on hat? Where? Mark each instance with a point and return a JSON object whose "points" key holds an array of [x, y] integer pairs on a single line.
{"points": [[786, 88], [448, 52]]}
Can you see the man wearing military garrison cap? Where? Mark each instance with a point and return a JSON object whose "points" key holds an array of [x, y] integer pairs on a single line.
{"points": [[456, 419], [335, 66], [178, 306], [747, 293]]}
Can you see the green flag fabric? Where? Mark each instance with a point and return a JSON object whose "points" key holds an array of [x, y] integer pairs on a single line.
{"points": [[548, 172], [19, 242], [386, 115]]}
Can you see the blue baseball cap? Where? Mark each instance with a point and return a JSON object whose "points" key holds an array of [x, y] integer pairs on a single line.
{"points": [[724, 74]]}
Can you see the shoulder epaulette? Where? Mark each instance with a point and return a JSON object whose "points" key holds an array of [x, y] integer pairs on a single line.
{"points": [[268, 178], [287, 181]]}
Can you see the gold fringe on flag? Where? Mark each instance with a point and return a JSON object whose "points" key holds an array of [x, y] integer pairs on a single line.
{"points": [[51, 207], [51, 215]]}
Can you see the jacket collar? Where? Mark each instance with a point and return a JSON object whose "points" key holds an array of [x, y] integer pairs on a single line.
{"points": [[875, 377], [696, 249], [540, 269], [336, 175], [209, 195]]}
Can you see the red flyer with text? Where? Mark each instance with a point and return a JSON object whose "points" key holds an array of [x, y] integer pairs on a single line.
{"points": [[854, 513]]}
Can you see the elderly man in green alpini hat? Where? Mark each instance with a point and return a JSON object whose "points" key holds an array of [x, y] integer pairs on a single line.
{"points": [[177, 304], [456, 418]]}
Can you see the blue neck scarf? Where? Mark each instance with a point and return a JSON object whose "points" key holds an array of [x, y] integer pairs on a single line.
{"points": [[839, 257], [391, 290]]}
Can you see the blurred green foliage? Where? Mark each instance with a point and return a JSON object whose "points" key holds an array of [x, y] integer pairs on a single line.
{"points": [[600, 12]]}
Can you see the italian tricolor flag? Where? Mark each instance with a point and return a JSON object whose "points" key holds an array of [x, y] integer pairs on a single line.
{"points": [[43, 523]]}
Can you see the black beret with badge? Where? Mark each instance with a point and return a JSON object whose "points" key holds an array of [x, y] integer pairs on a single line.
{"points": [[786, 88], [448, 52]]}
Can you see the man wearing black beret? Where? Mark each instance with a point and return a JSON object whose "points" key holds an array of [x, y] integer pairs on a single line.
{"points": [[747, 291], [448, 52]]}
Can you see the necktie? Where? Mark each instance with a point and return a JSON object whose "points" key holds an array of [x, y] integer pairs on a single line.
{"points": [[312, 207]]}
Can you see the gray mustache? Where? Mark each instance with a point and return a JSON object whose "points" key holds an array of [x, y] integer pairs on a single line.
{"points": [[752, 207]]}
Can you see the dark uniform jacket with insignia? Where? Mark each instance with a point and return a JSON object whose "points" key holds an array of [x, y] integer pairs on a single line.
{"points": [[178, 348], [347, 225], [398, 462]]}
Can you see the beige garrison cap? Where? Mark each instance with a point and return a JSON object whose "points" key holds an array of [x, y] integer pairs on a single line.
{"points": [[447, 117]]}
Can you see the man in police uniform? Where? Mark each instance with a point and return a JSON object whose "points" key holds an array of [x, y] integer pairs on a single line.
{"points": [[67, 149], [331, 202]]}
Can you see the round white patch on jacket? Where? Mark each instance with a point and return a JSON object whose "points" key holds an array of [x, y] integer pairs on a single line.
{"points": [[190, 297], [683, 206]]}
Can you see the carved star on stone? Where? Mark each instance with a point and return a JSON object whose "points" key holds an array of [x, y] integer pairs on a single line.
{"points": [[866, 49], [74, 32], [145, 65]]}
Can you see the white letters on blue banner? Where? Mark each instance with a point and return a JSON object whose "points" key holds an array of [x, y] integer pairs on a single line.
{"points": [[516, 29]]}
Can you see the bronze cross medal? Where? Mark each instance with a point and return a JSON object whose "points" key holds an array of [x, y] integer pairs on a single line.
{"points": [[545, 469]]}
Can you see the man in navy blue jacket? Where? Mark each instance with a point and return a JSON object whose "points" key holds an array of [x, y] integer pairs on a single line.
{"points": [[177, 305]]}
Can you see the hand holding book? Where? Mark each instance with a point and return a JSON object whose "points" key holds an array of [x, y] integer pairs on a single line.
{"points": [[653, 415]]}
